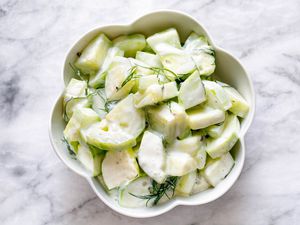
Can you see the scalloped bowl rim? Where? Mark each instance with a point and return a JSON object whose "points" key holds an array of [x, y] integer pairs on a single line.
{"points": [[158, 210]]}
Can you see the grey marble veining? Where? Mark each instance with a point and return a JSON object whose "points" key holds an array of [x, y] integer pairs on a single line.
{"points": [[36, 188]]}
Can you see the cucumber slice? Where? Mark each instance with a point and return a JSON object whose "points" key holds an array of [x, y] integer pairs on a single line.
{"points": [[117, 73], [188, 145], [185, 184], [151, 156], [73, 104], [200, 184], [98, 80], [130, 119], [93, 55], [75, 88], [216, 95], [239, 105], [82, 118], [130, 44], [108, 139], [118, 168], [215, 131], [191, 92], [146, 81], [170, 120], [92, 162], [98, 103], [217, 169], [179, 163], [204, 116], [139, 187], [151, 60], [169, 37], [217, 147], [200, 157], [155, 93], [202, 53]]}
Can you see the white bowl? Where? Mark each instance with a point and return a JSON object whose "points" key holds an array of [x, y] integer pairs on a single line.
{"points": [[228, 69]]}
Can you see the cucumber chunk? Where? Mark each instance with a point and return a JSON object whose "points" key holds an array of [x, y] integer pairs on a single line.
{"points": [[130, 44], [188, 145], [98, 80], [151, 156], [98, 103], [185, 184], [92, 162], [200, 157], [217, 169], [215, 131], [146, 81], [170, 120], [167, 37], [179, 163], [239, 105], [111, 138], [216, 95], [151, 60], [202, 53], [117, 73], [93, 55], [191, 92], [138, 187], [155, 93], [82, 118], [130, 119], [200, 184], [204, 116], [217, 147], [119, 167]]}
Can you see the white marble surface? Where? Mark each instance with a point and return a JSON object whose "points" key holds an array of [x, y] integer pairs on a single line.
{"points": [[36, 188]]}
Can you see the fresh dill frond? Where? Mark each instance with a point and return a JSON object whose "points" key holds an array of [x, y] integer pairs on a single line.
{"points": [[157, 191], [132, 75], [69, 148]]}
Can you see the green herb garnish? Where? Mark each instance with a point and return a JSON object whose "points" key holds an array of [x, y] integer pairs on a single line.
{"points": [[157, 191]]}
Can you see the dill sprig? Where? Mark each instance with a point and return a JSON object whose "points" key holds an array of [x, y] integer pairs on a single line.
{"points": [[132, 75], [158, 71], [69, 148], [157, 191]]}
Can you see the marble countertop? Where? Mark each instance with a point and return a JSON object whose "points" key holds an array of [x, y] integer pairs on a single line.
{"points": [[36, 188]]}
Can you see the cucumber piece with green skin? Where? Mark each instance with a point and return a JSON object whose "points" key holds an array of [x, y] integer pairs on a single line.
{"points": [[217, 147], [146, 81], [185, 184], [202, 53], [130, 44], [117, 73], [93, 55], [82, 118], [200, 157], [217, 169], [151, 156], [179, 163], [98, 80], [216, 95], [130, 119], [239, 105], [119, 167], [98, 103], [155, 93], [112, 139], [191, 92], [92, 162], [138, 187], [151, 60], [170, 120], [167, 37], [200, 183], [188, 145], [215, 131], [203, 116]]}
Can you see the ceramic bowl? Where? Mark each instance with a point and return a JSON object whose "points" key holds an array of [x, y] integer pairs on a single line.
{"points": [[228, 69]]}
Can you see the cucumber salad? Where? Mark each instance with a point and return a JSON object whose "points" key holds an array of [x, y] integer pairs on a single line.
{"points": [[148, 119]]}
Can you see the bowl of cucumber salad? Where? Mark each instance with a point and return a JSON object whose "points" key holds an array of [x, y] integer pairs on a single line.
{"points": [[153, 114]]}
